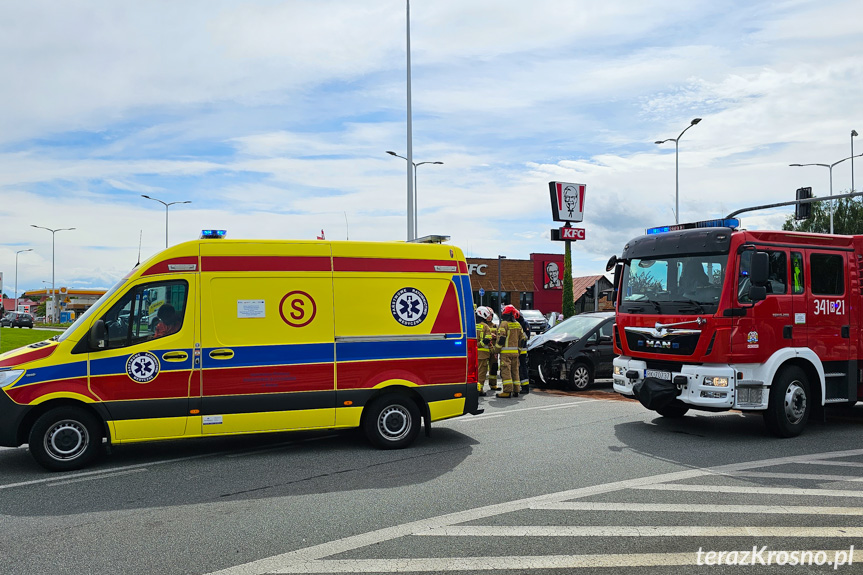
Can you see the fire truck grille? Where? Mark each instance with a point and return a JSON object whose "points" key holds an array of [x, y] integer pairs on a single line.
{"points": [[672, 344]]}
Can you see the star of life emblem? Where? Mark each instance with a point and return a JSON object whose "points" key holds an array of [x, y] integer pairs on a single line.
{"points": [[409, 306], [142, 367]]}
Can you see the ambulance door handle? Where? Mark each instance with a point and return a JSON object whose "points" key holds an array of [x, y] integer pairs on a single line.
{"points": [[222, 354], [175, 356]]}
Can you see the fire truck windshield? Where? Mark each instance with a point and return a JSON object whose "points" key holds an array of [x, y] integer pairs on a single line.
{"points": [[676, 284]]}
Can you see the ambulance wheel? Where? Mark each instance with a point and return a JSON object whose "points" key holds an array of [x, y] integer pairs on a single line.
{"points": [[579, 377], [789, 404], [392, 421], [65, 438]]}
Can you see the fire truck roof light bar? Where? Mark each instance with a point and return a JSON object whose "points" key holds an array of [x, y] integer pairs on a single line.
{"points": [[732, 223]]}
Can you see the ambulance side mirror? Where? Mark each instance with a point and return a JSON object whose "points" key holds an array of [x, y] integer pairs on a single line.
{"points": [[98, 335]]}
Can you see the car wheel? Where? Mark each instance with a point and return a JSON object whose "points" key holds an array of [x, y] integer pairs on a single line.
{"points": [[391, 421], [65, 438], [789, 404], [580, 376]]}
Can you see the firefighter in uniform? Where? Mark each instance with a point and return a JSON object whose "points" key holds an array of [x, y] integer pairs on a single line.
{"points": [[508, 335], [522, 353], [484, 341]]}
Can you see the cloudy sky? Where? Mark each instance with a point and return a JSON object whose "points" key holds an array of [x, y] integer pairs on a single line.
{"points": [[273, 118]]}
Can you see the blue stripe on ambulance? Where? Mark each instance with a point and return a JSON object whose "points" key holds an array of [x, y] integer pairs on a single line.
{"points": [[53, 372]]}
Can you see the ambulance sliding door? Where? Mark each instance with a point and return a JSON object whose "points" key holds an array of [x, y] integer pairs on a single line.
{"points": [[266, 337]]}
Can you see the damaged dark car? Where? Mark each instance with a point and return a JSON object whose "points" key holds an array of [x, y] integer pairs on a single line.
{"points": [[573, 353]]}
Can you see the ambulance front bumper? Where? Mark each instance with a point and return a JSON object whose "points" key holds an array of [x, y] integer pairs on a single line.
{"points": [[713, 387]]}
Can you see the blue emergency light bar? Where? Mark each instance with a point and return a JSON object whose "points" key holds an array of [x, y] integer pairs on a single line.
{"points": [[213, 234], [732, 223]]}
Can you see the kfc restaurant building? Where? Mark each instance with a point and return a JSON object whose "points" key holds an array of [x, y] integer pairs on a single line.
{"points": [[527, 284]]}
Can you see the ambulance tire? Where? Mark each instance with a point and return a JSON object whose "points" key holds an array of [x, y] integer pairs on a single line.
{"points": [[790, 403], [392, 421], [65, 438]]}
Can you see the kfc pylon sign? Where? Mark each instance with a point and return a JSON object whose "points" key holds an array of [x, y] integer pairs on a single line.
{"points": [[572, 233], [567, 201]]}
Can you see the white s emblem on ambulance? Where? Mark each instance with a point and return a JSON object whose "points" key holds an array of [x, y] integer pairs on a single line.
{"points": [[142, 367], [409, 306]]}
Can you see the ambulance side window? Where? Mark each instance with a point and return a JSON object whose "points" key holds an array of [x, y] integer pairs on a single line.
{"points": [[145, 312]]}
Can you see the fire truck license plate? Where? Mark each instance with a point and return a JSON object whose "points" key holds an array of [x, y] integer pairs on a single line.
{"points": [[666, 375]]}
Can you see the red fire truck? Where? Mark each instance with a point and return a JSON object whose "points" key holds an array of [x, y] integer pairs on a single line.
{"points": [[713, 318]]}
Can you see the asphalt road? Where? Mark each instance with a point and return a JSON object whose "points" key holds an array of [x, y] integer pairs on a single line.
{"points": [[551, 482]]}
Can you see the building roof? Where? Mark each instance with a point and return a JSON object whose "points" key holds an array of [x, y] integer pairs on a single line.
{"points": [[580, 285]]}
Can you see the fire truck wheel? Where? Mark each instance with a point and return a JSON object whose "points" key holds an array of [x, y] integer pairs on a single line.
{"points": [[391, 421], [65, 438], [673, 410], [790, 403], [580, 377]]}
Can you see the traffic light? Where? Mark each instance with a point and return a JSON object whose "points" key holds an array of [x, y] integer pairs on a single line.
{"points": [[803, 211], [590, 292]]}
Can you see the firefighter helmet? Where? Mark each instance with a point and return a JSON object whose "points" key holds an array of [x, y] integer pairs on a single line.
{"points": [[484, 312], [510, 309]]}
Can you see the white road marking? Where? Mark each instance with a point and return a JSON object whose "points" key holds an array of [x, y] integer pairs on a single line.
{"points": [[312, 559], [836, 463], [807, 476], [509, 411], [754, 490], [700, 508], [565, 406], [513, 563], [639, 531], [102, 476]]}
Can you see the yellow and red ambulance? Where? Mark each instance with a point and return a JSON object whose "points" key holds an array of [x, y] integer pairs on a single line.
{"points": [[223, 337]]}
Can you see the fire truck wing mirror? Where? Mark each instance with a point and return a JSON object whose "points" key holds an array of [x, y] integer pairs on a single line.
{"points": [[98, 335], [757, 293], [760, 269], [612, 261]]}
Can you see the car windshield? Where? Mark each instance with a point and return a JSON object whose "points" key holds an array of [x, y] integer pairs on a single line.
{"points": [[575, 327], [673, 284]]}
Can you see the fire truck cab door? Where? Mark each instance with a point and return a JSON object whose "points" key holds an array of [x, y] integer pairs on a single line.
{"points": [[828, 327]]}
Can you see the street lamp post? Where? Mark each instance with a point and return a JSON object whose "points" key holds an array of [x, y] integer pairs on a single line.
{"points": [[853, 133], [16, 274], [499, 297], [53, 291], [166, 212], [830, 168], [676, 168], [415, 202]]}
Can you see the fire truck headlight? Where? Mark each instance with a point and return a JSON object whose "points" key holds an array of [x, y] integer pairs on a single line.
{"points": [[619, 370], [716, 381]]}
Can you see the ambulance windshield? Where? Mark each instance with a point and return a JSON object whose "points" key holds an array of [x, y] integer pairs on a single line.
{"points": [[83, 318], [678, 284]]}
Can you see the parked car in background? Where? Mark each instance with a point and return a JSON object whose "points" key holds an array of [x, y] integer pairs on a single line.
{"points": [[573, 353], [17, 319], [535, 320]]}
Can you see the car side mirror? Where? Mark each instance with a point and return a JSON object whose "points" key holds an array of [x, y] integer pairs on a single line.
{"points": [[605, 339], [98, 335]]}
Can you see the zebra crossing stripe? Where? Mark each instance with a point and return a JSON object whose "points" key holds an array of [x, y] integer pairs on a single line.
{"points": [[700, 508]]}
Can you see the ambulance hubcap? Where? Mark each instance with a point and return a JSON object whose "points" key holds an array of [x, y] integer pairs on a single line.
{"points": [[795, 403], [394, 422], [66, 439]]}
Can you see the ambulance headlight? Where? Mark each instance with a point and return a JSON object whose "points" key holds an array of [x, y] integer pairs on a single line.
{"points": [[716, 381], [10, 376]]}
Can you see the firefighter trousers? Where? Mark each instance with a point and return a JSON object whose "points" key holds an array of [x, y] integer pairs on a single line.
{"points": [[481, 373], [509, 372]]}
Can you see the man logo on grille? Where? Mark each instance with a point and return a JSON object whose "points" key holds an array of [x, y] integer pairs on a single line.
{"points": [[409, 307], [142, 367]]}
